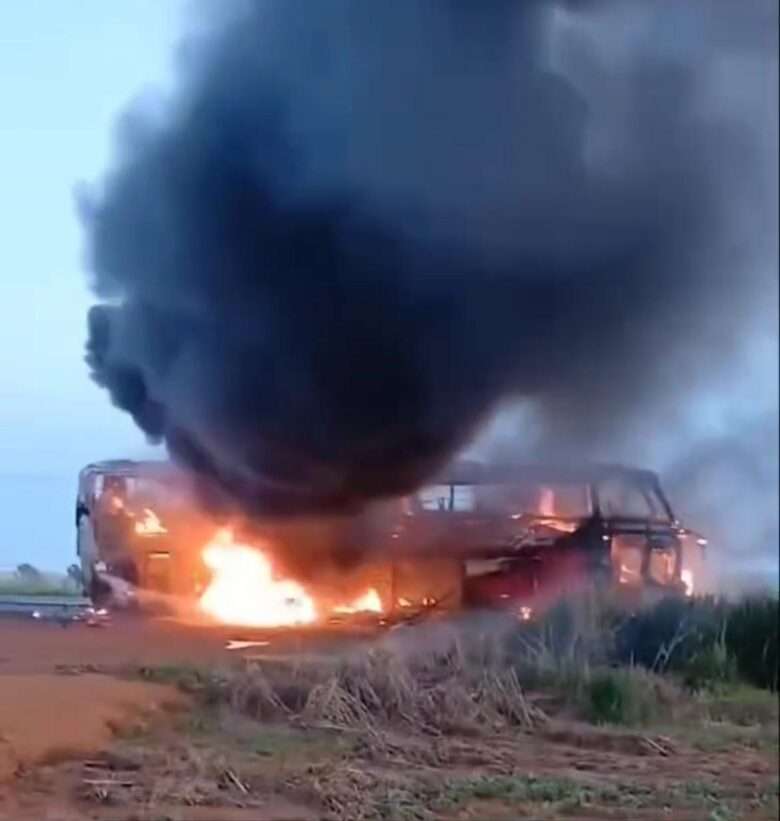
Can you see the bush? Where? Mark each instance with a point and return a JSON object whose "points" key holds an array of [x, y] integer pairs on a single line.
{"points": [[752, 637], [28, 573], [711, 668], [707, 641], [27, 581], [560, 649], [668, 635], [627, 695]]}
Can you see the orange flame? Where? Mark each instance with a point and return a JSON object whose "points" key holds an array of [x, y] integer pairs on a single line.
{"points": [[243, 590], [369, 602], [150, 524], [686, 576]]}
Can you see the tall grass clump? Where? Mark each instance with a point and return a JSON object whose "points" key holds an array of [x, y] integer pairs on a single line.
{"points": [[707, 641], [574, 652], [435, 691], [624, 695], [618, 664], [586, 656], [752, 637]]}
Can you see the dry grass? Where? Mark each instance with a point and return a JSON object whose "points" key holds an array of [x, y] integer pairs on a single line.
{"points": [[445, 721], [471, 679], [225, 760], [433, 693]]}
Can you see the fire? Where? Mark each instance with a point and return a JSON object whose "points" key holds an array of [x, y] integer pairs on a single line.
{"points": [[686, 576], [369, 602], [149, 524], [243, 590]]}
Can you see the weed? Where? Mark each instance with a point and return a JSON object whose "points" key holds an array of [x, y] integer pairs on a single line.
{"points": [[627, 695], [436, 693], [752, 636], [609, 698], [711, 668], [743, 706], [707, 640], [722, 812], [402, 804], [512, 788]]}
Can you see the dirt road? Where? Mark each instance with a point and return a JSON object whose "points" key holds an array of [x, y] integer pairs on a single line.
{"points": [[29, 646], [56, 707]]}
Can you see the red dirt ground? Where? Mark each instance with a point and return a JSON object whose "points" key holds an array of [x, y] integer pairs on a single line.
{"points": [[56, 709], [55, 706], [29, 646]]}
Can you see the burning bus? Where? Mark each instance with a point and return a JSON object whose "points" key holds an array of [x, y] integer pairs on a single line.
{"points": [[135, 523], [478, 536]]}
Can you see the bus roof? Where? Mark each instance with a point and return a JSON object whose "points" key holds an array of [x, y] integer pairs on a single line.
{"points": [[473, 472]]}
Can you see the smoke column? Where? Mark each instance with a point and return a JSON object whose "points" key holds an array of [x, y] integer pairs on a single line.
{"points": [[358, 227], [708, 417]]}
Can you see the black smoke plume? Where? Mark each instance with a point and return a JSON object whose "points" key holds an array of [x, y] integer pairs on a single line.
{"points": [[358, 226]]}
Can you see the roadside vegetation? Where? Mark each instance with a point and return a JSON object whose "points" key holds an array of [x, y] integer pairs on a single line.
{"points": [[27, 580], [587, 656], [591, 712]]}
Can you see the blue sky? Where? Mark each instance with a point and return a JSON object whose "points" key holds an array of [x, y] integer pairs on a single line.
{"points": [[66, 71]]}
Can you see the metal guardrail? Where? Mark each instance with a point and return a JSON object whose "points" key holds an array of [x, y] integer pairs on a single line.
{"points": [[49, 605]]}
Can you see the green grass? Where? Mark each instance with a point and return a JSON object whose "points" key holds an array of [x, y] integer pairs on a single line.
{"points": [[720, 736], [42, 587], [707, 640], [705, 643], [742, 705], [570, 794], [752, 636], [189, 678], [513, 788], [424, 800], [219, 727]]}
